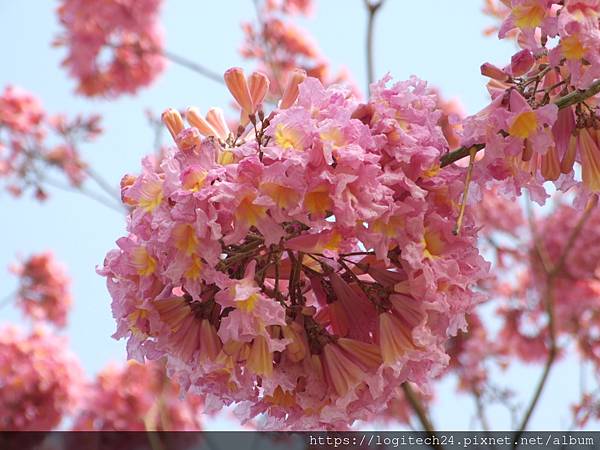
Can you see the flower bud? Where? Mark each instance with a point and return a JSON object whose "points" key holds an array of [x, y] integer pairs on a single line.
{"points": [[196, 120], [290, 94], [493, 72], [259, 86], [216, 119], [172, 119], [238, 86], [568, 159]]}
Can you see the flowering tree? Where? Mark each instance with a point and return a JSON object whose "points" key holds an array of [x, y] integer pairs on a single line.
{"points": [[316, 256]]}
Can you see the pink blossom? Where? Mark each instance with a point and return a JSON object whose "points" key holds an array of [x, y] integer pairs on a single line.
{"points": [[43, 293], [41, 381], [136, 397], [525, 142], [128, 31], [33, 142], [575, 291], [312, 271]]}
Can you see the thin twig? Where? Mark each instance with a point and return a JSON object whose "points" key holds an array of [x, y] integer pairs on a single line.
{"points": [[540, 250], [7, 300], [481, 415], [421, 413], [182, 61], [574, 235], [103, 184], [372, 8], [85, 192], [552, 273], [552, 351], [198, 68]]}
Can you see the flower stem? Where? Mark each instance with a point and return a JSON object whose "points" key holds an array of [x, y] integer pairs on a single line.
{"points": [[463, 203]]}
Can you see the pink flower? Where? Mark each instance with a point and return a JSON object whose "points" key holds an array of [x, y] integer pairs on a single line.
{"points": [[127, 30], [25, 153], [527, 16], [136, 397], [310, 272], [525, 332], [41, 381], [43, 293], [559, 58]]}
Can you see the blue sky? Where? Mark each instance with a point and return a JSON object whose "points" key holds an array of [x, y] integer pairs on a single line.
{"points": [[439, 40]]}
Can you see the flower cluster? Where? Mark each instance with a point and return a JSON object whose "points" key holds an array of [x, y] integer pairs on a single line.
{"points": [[43, 292], [26, 150], [303, 265], [543, 117], [114, 46], [136, 397], [40, 380]]}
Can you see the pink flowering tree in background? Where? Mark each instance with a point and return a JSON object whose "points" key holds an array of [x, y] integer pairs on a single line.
{"points": [[315, 256]]}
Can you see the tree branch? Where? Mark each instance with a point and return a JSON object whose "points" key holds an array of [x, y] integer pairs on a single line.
{"points": [[562, 102], [480, 406], [88, 193], [8, 299], [552, 351], [103, 184], [184, 62], [552, 273], [421, 413], [372, 8]]}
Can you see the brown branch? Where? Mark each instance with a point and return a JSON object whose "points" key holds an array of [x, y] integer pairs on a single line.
{"points": [[562, 102], [372, 8], [421, 413], [552, 351], [194, 66], [578, 96], [103, 184], [85, 192], [480, 406], [552, 273], [293, 289]]}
